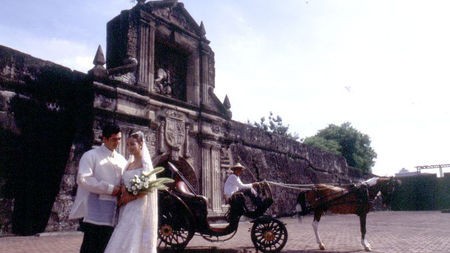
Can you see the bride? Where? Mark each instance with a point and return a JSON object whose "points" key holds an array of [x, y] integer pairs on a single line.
{"points": [[136, 231]]}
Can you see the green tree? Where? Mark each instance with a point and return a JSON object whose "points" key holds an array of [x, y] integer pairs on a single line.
{"points": [[331, 146], [274, 125], [345, 140]]}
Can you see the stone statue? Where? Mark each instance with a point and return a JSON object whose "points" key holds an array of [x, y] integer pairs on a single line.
{"points": [[162, 82]]}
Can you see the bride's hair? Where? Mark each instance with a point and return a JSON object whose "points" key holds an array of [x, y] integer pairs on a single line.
{"points": [[146, 160], [139, 136]]}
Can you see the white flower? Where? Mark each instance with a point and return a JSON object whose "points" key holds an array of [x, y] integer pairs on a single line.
{"points": [[144, 182]]}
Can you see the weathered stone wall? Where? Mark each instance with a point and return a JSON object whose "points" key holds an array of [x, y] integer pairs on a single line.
{"points": [[38, 123], [275, 158]]}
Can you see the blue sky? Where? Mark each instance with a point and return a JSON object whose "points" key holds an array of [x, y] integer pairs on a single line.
{"points": [[381, 65]]}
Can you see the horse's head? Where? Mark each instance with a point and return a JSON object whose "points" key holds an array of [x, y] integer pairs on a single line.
{"points": [[386, 186]]}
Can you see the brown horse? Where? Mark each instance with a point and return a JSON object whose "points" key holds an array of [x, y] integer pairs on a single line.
{"points": [[352, 199]]}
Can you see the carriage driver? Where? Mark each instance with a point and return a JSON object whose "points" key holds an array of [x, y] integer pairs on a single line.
{"points": [[234, 184]]}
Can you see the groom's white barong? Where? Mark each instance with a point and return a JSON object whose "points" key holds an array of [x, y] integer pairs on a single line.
{"points": [[100, 169]]}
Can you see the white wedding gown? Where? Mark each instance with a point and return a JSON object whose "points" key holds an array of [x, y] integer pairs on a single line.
{"points": [[136, 231]]}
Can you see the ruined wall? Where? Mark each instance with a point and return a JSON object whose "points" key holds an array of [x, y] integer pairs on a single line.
{"points": [[45, 122], [275, 158]]}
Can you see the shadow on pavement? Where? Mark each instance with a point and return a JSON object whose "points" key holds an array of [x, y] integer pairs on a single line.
{"points": [[321, 251], [205, 250], [248, 250]]}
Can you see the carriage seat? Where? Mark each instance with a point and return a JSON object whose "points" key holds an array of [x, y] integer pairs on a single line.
{"points": [[181, 187], [197, 203], [183, 190]]}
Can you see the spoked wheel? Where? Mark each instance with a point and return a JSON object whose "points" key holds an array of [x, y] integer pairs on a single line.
{"points": [[269, 234], [175, 223]]}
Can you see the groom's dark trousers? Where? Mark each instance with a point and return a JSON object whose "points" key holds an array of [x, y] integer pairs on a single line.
{"points": [[95, 237]]}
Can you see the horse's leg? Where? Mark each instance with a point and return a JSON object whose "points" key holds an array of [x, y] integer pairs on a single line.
{"points": [[364, 242], [315, 225]]}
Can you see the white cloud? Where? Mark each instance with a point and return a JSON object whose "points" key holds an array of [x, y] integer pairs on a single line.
{"points": [[73, 54]]}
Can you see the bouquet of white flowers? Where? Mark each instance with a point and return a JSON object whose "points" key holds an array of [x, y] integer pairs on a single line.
{"points": [[143, 183]]}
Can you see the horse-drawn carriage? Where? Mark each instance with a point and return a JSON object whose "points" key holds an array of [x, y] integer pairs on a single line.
{"points": [[183, 213]]}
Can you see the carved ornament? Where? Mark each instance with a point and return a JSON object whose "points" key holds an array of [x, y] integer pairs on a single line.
{"points": [[175, 15], [175, 129]]}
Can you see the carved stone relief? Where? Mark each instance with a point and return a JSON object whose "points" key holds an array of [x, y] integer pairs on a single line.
{"points": [[163, 12], [150, 140], [104, 102], [175, 16], [215, 129], [173, 135], [175, 130], [129, 78]]}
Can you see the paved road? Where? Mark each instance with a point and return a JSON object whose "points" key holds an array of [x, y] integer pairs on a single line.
{"points": [[389, 232]]}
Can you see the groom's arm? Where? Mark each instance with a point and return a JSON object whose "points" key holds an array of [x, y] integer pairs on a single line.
{"points": [[88, 181]]}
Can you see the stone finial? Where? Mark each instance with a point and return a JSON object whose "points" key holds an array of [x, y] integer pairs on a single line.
{"points": [[99, 58], [99, 71], [227, 105], [202, 29], [226, 102]]}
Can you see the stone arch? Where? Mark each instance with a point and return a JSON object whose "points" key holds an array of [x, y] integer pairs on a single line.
{"points": [[182, 165]]}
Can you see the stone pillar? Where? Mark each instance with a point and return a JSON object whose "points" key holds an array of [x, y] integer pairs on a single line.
{"points": [[146, 54], [216, 181], [162, 146], [211, 178], [193, 79], [204, 74], [206, 172], [187, 151]]}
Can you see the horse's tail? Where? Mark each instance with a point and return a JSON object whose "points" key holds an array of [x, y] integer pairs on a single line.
{"points": [[301, 208]]}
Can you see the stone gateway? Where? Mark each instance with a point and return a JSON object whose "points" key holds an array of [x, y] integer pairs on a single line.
{"points": [[159, 78]]}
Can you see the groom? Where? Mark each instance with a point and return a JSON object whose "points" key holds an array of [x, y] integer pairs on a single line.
{"points": [[99, 175]]}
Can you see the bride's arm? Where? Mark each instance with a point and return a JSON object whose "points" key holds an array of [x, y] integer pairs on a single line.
{"points": [[126, 197]]}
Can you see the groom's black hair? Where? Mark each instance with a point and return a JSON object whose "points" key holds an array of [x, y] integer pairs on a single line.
{"points": [[110, 129]]}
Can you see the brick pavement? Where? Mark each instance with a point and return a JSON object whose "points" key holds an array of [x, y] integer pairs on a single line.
{"points": [[388, 232]]}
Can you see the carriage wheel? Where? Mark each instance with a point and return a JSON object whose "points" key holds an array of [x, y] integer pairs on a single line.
{"points": [[269, 234], [175, 224]]}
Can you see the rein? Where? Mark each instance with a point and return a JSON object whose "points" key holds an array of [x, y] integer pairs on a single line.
{"points": [[292, 186]]}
